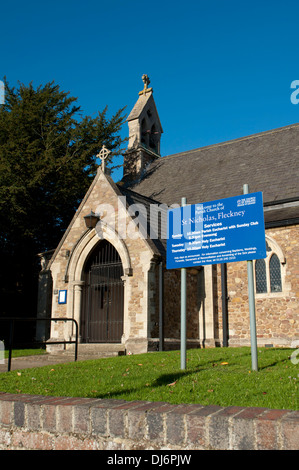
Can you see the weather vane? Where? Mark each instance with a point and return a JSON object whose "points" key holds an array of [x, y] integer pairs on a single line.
{"points": [[103, 155]]}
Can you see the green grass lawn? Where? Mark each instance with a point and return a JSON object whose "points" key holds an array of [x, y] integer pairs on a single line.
{"points": [[220, 376], [24, 352]]}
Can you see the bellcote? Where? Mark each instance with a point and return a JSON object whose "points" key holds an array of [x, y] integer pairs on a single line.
{"points": [[144, 134], [144, 124]]}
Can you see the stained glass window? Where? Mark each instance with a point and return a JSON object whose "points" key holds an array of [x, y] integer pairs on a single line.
{"points": [[275, 274]]}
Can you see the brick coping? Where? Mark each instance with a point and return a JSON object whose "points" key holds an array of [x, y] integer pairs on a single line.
{"points": [[35, 421]]}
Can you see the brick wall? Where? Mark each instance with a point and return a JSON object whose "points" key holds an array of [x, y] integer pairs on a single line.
{"points": [[56, 423]]}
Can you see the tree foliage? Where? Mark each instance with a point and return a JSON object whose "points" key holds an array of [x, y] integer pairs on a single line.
{"points": [[47, 162]]}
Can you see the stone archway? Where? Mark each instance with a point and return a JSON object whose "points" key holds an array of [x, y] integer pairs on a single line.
{"points": [[102, 309], [75, 272]]}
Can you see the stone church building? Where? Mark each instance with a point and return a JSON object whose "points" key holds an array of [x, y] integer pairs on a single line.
{"points": [[109, 270]]}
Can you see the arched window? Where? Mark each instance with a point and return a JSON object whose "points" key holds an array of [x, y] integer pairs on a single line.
{"points": [[275, 274], [260, 276], [153, 138], [268, 272], [144, 133]]}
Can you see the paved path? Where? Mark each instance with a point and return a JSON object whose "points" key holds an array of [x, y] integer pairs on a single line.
{"points": [[43, 360]]}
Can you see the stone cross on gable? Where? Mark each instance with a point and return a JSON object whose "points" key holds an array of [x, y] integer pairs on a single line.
{"points": [[146, 82], [103, 155]]}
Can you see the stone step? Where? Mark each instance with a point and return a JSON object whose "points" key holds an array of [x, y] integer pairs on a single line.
{"points": [[97, 350]]}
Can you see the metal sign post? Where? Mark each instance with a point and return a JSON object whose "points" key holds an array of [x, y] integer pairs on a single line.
{"points": [[217, 232], [251, 300], [183, 309]]}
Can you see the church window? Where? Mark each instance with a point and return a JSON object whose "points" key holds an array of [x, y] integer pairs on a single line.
{"points": [[275, 274], [260, 276], [268, 271]]}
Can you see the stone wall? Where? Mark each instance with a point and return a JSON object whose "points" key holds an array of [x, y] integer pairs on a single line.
{"points": [[277, 314], [172, 305], [31, 422]]}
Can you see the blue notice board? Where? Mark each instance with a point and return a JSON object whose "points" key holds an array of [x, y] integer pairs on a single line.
{"points": [[215, 232]]}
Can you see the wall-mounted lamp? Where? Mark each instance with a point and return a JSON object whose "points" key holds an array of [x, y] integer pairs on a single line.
{"points": [[91, 220]]}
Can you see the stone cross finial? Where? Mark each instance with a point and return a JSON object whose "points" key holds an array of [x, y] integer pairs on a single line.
{"points": [[103, 155], [146, 82]]}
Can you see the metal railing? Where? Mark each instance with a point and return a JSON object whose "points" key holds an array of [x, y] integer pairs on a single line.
{"points": [[13, 320]]}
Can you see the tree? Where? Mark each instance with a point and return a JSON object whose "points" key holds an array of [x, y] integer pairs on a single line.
{"points": [[47, 162]]}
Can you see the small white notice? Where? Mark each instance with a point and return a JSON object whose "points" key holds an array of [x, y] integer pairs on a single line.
{"points": [[62, 297]]}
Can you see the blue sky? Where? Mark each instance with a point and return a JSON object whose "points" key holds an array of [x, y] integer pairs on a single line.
{"points": [[219, 69]]}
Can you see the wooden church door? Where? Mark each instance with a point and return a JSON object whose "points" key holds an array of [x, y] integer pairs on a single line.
{"points": [[103, 296]]}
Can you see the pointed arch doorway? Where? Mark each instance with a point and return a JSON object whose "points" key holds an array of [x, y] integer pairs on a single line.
{"points": [[102, 314]]}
